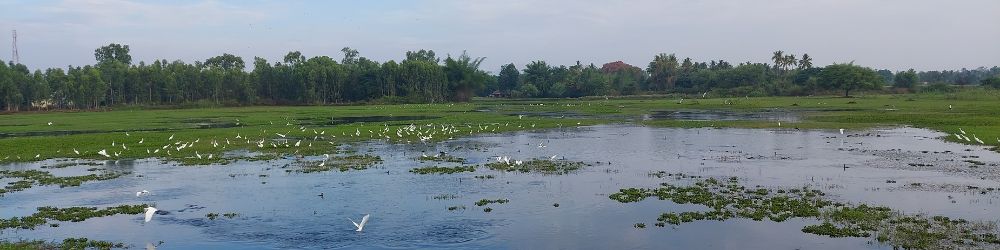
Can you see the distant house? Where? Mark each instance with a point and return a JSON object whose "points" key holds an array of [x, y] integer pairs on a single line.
{"points": [[497, 94]]}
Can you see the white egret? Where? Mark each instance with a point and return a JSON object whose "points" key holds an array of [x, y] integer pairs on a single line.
{"points": [[961, 130], [282, 136], [142, 140], [360, 226], [141, 193], [553, 157], [977, 139], [841, 131], [171, 137], [76, 152], [149, 213], [104, 153], [50, 123]]}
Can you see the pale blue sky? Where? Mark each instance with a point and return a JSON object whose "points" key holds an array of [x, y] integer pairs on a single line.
{"points": [[894, 34]]}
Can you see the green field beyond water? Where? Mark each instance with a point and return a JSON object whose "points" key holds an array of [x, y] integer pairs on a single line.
{"points": [[209, 132]]}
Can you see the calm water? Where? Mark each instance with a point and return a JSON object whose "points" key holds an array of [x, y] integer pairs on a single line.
{"points": [[283, 210]]}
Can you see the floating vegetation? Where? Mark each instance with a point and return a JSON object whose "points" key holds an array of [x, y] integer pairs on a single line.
{"points": [[489, 176], [31, 178], [212, 216], [729, 199], [445, 196], [538, 166], [487, 209], [70, 243], [453, 208], [230, 215], [555, 204], [443, 170], [485, 202], [639, 225], [442, 158], [72, 214], [71, 164], [342, 163]]}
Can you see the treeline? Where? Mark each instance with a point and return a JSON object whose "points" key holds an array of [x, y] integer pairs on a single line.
{"points": [[787, 74], [224, 80], [422, 77]]}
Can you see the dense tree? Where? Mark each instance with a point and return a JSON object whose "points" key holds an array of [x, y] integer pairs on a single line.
{"points": [[297, 79], [113, 52], [662, 71], [849, 77], [508, 78], [992, 82], [905, 79]]}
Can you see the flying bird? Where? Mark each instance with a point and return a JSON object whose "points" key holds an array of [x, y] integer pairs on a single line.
{"points": [[149, 213], [359, 226]]}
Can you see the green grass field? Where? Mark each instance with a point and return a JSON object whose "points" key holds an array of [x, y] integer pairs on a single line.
{"points": [[321, 129]]}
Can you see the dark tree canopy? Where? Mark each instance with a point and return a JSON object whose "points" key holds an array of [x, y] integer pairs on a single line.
{"points": [[849, 77], [113, 53], [298, 79]]}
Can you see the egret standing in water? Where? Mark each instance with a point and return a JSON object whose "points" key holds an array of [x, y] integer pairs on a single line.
{"points": [[360, 226], [140, 193]]}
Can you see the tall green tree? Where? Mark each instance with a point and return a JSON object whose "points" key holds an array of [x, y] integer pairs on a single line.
{"points": [[508, 78], [905, 79], [848, 77]]}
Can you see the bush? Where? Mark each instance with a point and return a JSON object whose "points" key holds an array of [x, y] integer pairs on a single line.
{"points": [[938, 88]]}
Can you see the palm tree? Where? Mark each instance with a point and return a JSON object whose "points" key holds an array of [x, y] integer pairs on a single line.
{"points": [[806, 62], [790, 61], [779, 59]]}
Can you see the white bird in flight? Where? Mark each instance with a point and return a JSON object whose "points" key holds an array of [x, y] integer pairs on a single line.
{"points": [[140, 193], [149, 213], [360, 226]]}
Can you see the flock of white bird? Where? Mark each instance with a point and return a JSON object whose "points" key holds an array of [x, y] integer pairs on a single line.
{"points": [[424, 133], [961, 135]]}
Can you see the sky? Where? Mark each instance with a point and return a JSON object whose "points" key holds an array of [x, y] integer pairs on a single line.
{"points": [[883, 34]]}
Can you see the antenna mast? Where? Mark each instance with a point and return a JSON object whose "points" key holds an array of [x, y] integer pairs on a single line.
{"points": [[13, 50]]}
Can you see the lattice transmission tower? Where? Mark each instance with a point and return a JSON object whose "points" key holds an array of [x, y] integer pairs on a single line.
{"points": [[13, 48]]}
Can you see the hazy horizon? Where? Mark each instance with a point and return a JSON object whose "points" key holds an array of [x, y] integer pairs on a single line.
{"points": [[895, 35]]}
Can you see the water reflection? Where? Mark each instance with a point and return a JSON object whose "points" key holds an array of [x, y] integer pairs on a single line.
{"points": [[283, 210]]}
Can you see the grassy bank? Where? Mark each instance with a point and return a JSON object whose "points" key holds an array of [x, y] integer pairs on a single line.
{"points": [[203, 135]]}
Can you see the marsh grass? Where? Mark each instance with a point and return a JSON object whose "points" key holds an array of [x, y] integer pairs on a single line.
{"points": [[66, 244], [71, 214], [538, 166], [728, 199], [30, 178], [24, 135], [443, 170], [341, 163]]}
